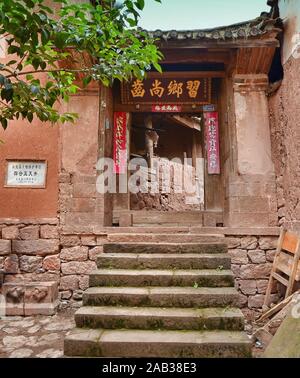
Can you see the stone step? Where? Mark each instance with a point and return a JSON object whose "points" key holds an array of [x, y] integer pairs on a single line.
{"points": [[160, 318], [185, 297], [165, 248], [164, 344], [164, 261], [164, 238], [152, 277]]}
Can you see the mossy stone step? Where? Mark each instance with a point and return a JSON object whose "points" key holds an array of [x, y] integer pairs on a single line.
{"points": [[160, 318], [184, 297], [164, 344], [137, 248], [152, 277], [164, 261]]}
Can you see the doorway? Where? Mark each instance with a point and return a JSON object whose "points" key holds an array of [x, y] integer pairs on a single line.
{"points": [[172, 146]]}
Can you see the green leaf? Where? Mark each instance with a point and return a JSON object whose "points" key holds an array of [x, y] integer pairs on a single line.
{"points": [[45, 36], [4, 123], [140, 4], [30, 117], [87, 80], [157, 67], [7, 93]]}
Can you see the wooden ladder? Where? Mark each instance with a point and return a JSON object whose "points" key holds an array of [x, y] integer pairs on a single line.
{"points": [[286, 266]]}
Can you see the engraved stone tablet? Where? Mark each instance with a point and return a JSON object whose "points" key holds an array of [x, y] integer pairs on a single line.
{"points": [[23, 173]]}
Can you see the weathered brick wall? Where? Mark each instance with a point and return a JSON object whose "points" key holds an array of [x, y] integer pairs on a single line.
{"points": [[285, 129], [29, 251], [36, 252], [251, 259], [78, 259]]}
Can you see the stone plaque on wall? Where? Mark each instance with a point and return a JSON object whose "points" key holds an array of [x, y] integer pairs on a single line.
{"points": [[26, 173]]}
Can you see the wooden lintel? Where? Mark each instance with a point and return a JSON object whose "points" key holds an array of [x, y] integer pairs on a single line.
{"points": [[148, 108], [186, 75], [195, 56], [241, 43]]}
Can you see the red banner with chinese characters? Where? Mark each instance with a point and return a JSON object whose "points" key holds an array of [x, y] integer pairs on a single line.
{"points": [[212, 142], [120, 142]]}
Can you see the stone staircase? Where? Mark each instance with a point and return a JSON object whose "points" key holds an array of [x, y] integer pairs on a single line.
{"points": [[160, 300]]}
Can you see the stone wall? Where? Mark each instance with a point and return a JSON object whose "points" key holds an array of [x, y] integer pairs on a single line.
{"points": [[29, 251], [285, 130], [78, 259], [41, 252], [251, 259], [178, 186]]}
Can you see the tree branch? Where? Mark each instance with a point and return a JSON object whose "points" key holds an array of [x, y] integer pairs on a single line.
{"points": [[42, 71]]}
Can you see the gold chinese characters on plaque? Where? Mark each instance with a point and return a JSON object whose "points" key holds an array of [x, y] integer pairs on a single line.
{"points": [[164, 90]]}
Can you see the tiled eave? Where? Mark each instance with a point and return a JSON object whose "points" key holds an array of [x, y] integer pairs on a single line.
{"points": [[259, 28]]}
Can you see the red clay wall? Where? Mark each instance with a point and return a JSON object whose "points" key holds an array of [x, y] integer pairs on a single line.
{"points": [[26, 141], [285, 129]]}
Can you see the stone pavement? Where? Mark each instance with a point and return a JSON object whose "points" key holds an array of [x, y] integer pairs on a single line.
{"points": [[39, 336], [43, 336]]}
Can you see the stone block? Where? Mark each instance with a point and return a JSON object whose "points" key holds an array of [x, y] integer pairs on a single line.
{"points": [[84, 190], [30, 233], [83, 205], [84, 282], [236, 269], [14, 298], [248, 287], [69, 283], [257, 257], [238, 256], [65, 295], [2, 258], [267, 243], [210, 219], [11, 264], [249, 242], [262, 286], [77, 295], [84, 179], [253, 204], [10, 232], [40, 247], [88, 240], [5, 247], [242, 300], [255, 271], [233, 242], [270, 255], [236, 219], [126, 220], [69, 240], [78, 267], [30, 298], [256, 301], [74, 254], [76, 220], [41, 298], [51, 263], [101, 239], [49, 232], [30, 264], [94, 253]]}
